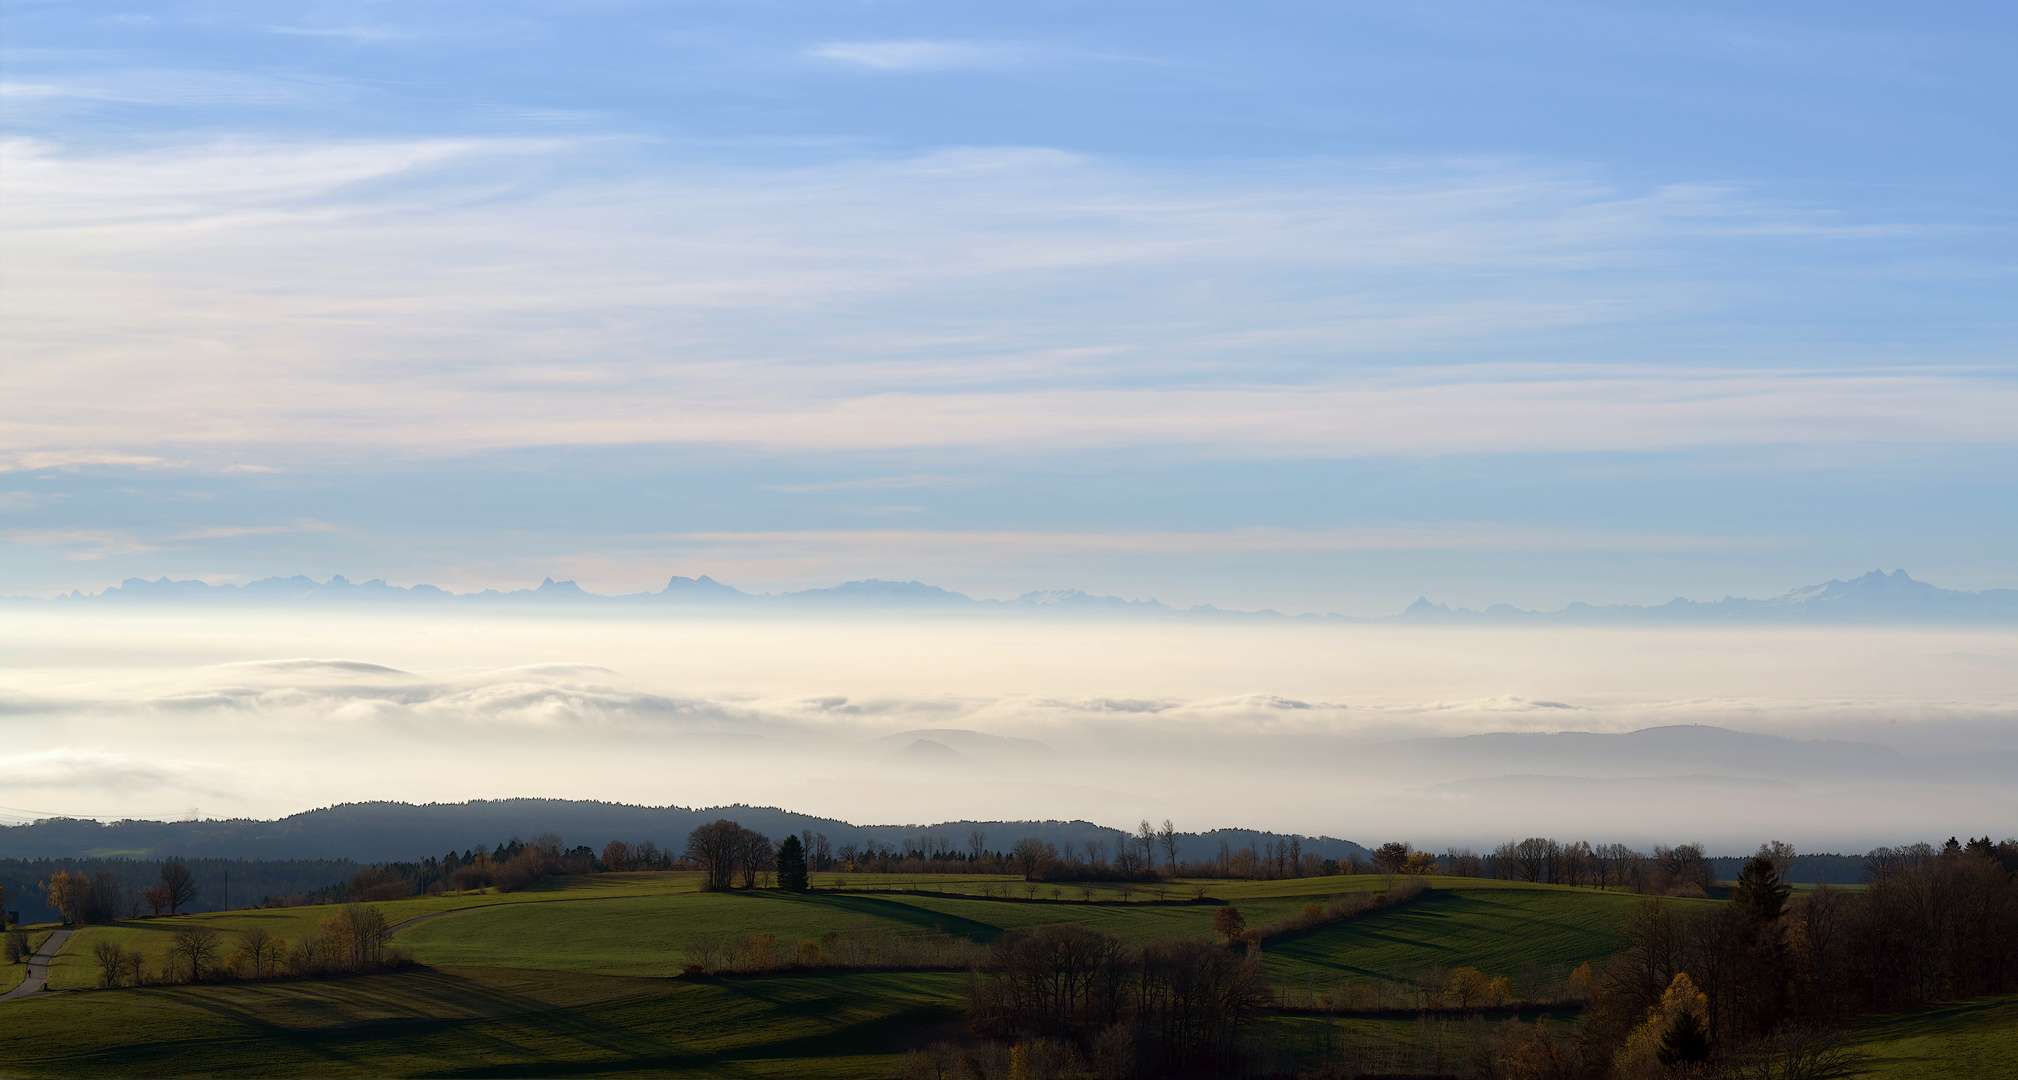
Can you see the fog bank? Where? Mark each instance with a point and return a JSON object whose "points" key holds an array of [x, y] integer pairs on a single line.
{"points": [[1903, 734]]}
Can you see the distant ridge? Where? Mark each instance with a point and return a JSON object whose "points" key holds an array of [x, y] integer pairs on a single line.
{"points": [[1875, 597], [378, 831]]}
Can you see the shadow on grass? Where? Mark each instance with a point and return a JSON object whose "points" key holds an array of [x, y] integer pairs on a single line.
{"points": [[884, 910], [1969, 1016], [1443, 922], [651, 1054], [375, 1025]]}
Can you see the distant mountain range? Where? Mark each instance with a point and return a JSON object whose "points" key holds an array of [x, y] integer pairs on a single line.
{"points": [[1874, 597]]}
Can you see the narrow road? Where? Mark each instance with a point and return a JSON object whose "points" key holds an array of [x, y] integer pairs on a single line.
{"points": [[38, 967]]}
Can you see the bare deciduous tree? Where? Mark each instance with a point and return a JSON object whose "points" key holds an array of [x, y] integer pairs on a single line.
{"points": [[366, 928], [713, 849], [1781, 855], [180, 883], [1028, 855], [754, 855], [195, 946], [111, 962], [257, 943]]}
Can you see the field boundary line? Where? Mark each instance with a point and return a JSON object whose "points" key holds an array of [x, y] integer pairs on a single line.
{"points": [[1520, 1008], [406, 924], [1203, 901]]}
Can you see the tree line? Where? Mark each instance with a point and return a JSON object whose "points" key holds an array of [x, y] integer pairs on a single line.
{"points": [[1754, 987], [123, 882], [1087, 999], [353, 939], [1680, 870]]}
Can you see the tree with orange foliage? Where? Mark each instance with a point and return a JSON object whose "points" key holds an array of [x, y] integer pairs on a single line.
{"points": [[83, 899], [1229, 923], [616, 856], [69, 894], [1655, 1044]]}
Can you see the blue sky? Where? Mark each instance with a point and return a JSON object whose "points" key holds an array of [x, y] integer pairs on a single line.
{"points": [[1315, 306]]}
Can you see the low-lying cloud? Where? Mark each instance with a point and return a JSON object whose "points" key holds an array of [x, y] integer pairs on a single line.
{"points": [[1366, 734], [70, 769]]}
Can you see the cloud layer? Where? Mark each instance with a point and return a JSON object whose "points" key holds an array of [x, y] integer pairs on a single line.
{"points": [[449, 296], [1286, 727]]}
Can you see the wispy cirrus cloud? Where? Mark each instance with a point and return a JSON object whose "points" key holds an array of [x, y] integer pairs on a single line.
{"points": [[82, 544], [921, 55], [999, 299], [87, 544], [867, 483], [363, 34], [983, 544], [33, 460], [226, 532], [173, 88]]}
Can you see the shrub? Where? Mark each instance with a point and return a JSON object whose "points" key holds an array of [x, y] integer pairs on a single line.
{"points": [[1340, 907], [807, 953]]}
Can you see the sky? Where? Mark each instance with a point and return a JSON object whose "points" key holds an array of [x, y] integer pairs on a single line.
{"points": [[1319, 307]]}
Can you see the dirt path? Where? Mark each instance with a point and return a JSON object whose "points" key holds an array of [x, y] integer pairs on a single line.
{"points": [[38, 967]]}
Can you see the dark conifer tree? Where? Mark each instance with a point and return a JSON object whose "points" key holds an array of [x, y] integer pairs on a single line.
{"points": [[792, 865], [1760, 891], [1762, 985], [1685, 1043]]}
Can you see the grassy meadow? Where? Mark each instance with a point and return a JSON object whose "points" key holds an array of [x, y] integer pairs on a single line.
{"points": [[1962, 1041], [583, 976], [483, 1022], [1500, 931]]}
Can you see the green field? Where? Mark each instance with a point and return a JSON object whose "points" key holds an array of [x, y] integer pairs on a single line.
{"points": [[1500, 931], [74, 969], [572, 978], [1974, 1040], [651, 935], [482, 1022]]}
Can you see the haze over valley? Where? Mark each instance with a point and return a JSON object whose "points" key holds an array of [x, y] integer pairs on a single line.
{"points": [[1845, 735]]}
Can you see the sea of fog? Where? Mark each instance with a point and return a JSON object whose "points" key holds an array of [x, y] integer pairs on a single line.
{"points": [[1305, 727]]}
